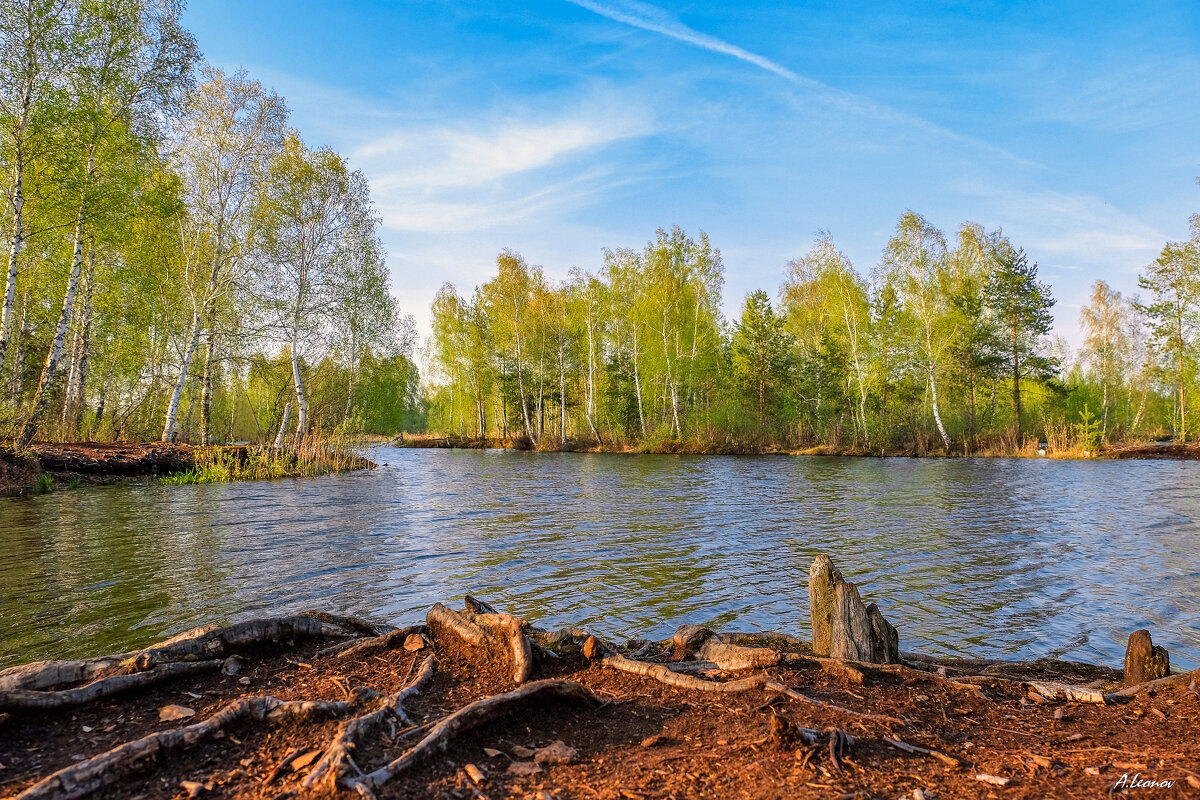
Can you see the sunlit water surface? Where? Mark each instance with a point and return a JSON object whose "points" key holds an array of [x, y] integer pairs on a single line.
{"points": [[967, 556]]}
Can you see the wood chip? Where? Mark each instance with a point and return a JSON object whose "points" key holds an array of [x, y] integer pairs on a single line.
{"points": [[302, 761], [1161, 715], [1193, 781], [1134, 765], [1092, 770], [172, 713], [995, 780], [475, 774]]}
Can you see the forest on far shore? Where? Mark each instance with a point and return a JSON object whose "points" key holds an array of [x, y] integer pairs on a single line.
{"points": [[944, 346]]}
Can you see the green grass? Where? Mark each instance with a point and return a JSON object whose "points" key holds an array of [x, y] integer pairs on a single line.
{"points": [[43, 483], [224, 464]]}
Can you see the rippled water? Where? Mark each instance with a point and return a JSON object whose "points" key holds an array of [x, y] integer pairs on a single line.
{"points": [[990, 557]]}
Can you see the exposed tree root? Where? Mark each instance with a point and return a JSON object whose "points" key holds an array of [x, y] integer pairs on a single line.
{"points": [[442, 618], [375, 644], [473, 715], [367, 627], [32, 699], [337, 762], [512, 630], [199, 643], [945, 758], [1178, 679], [661, 673], [86, 777]]}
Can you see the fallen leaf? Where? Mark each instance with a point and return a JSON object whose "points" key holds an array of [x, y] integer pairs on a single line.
{"points": [[555, 753], [414, 642], [79, 757], [995, 780], [1193, 781], [523, 769], [523, 752], [172, 713], [231, 666], [656, 740], [303, 760], [475, 774], [244, 681], [88, 728], [1092, 770], [1041, 761], [491, 752]]}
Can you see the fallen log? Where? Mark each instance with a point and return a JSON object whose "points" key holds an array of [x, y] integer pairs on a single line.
{"points": [[34, 699]]}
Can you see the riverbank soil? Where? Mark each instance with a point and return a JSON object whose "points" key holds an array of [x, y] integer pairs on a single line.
{"points": [[581, 723]]}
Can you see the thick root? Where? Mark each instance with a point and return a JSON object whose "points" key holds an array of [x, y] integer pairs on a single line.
{"points": [[1178, 679], [367, 627], [442, 618], [32, 699], [1071, 694], [197, 644], [387, 641], [663, 674], [86, 777], [473, 715], [337, 762], [512, 630]]}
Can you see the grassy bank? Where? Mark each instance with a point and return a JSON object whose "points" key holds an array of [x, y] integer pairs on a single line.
{"points": [[259, 462], [51, 466]]}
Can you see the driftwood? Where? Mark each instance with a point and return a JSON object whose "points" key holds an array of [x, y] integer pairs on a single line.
{"points": [[1071, 694], [33, 699], [1144, 660], [93, 774], [337, 761], [694, 641], [474, 715]]}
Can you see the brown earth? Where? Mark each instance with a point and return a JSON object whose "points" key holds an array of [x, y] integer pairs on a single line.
{"points": [[643, 739]]}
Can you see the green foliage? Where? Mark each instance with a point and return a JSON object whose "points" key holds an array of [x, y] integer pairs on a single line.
{"points": [[43, 483], [1088, 430]]}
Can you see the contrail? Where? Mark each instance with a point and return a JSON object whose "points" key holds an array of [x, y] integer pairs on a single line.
{"points": [[651, 18]]}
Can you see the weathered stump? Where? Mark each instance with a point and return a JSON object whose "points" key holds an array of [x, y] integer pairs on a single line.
{"points": [[843, 626], [822, 578], [1144, 660]]}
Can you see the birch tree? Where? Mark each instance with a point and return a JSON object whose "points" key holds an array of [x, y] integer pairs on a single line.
{"points": [[133, 62], [34, 50], [312, 211], [229, 132], [915, 262]]}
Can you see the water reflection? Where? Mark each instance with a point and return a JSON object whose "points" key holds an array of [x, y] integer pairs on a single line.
{"points": [[1024, 558]]}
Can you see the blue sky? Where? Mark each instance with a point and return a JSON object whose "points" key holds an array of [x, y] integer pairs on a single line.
{"points": [[560, 128]]}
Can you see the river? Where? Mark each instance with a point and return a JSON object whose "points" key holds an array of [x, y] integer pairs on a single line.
{"points": [[988, 557]]}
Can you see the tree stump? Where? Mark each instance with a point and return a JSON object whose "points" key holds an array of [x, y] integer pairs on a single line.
{"points": [[822, 578], [843, 626], [1144, 660]]}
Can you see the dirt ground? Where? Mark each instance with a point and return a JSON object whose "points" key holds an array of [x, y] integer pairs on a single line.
{"points": [[643, 740]]}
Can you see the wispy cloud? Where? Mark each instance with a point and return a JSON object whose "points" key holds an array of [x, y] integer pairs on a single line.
{"points": [[484, 174], [656, 20]]}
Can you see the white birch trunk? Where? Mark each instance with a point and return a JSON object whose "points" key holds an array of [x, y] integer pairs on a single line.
{"points": [[637, 383], [50, 370], [287, 411], [168, 434], [13, 251], [301, 403]]}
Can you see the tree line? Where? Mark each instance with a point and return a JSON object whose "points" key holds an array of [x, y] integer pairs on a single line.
{"points": [[180, 264], [944, 346]]}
